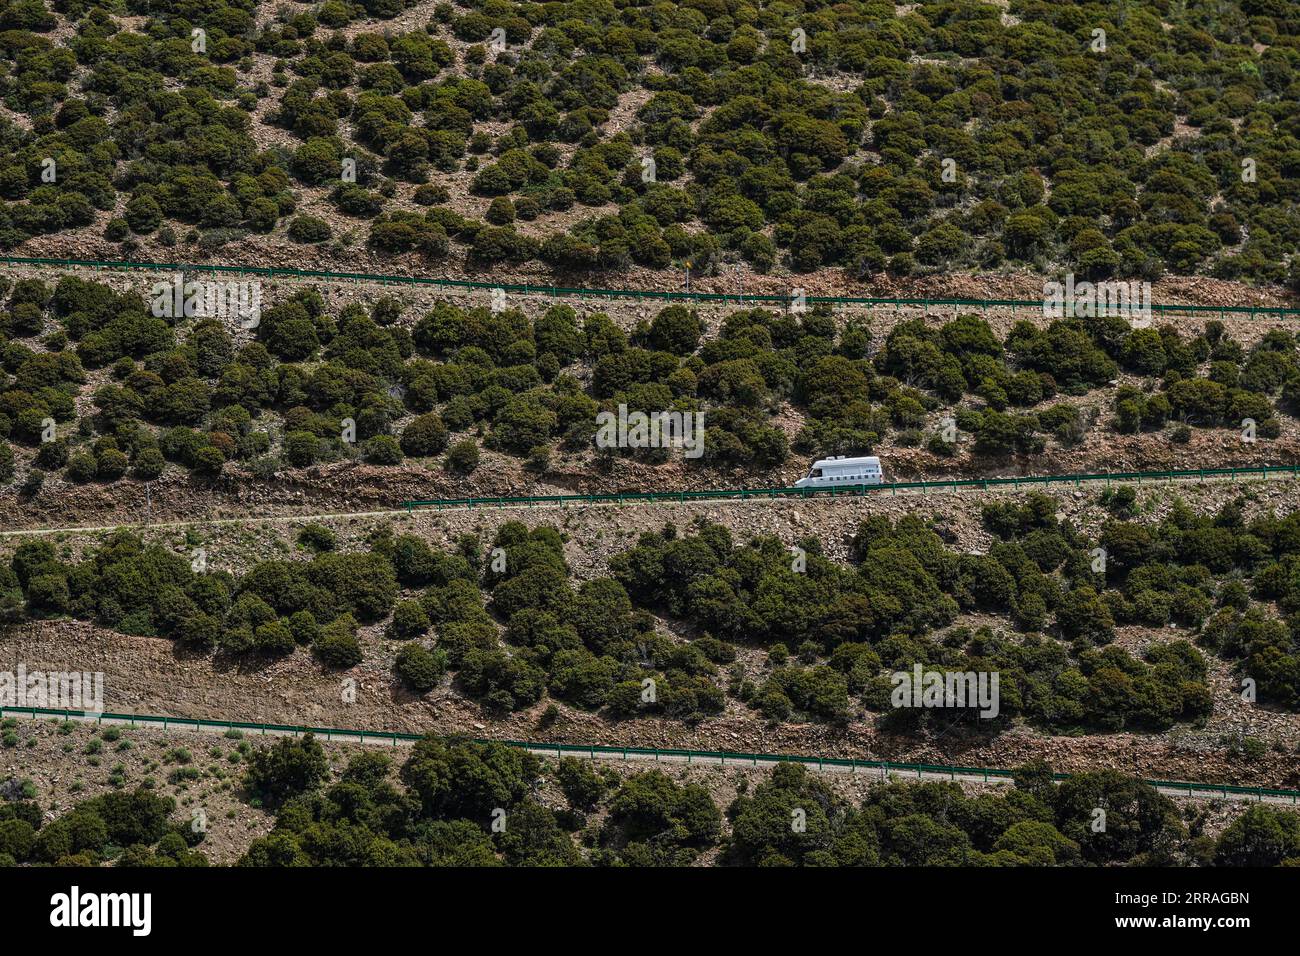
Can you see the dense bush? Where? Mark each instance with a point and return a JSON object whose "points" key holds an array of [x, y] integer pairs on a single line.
{"points": [[316, 387], [471, 805], [420, 668], [595, 645], [277, 605], [129, 828], [929, 144], [290, 767]]}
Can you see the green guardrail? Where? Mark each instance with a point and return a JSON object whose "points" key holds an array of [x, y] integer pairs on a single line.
{"points": [[659, 295], [953, 484], [722, 757]]}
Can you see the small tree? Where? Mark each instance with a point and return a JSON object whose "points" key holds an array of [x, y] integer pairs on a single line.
{"points": [[420, 668], [409, 620], [424, 436], [463, 457], [337, 645], [290, 768], [383, 450]]}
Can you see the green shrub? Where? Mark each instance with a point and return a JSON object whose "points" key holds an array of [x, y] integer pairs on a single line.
{"points": [[316, 537], [288, 768], [463, 456], [274, 637], [81, 467], [382, 450], [409, 620], [420, 668], [301, 448], [308, 229], [424, 436], [337, 645]]}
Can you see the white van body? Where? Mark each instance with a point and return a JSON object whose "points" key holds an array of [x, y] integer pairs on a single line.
{"points": [[840, 471]]}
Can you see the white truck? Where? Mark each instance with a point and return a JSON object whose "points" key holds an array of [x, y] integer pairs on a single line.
{"points": [[841, 471]]}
